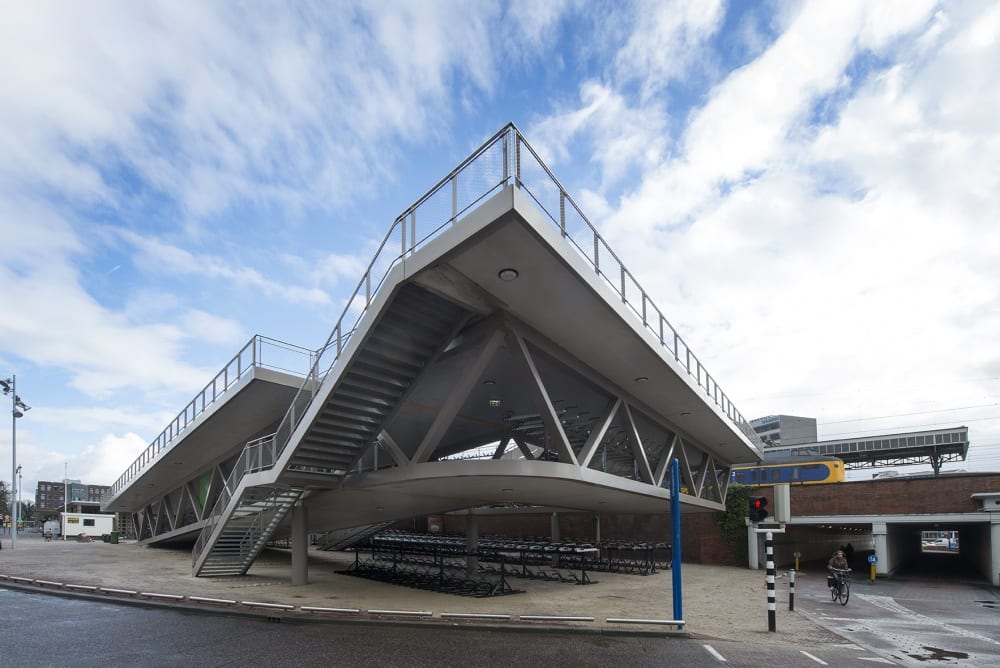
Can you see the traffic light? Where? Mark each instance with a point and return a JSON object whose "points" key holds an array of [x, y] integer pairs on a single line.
{"points": [[758, 509]]}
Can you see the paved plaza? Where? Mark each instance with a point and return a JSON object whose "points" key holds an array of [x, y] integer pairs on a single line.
{"points": [[718, 602]]}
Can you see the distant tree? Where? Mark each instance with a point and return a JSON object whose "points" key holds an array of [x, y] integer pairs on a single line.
{"points": [[26, 512], [4, 494]]}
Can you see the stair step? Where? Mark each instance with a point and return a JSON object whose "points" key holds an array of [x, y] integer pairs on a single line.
{"points": [[341, 424], [322, 462], [394, 353], [366, 398], [349, 433], [360, 384], [386, 363], [393, 333], [343, 405], [378, 374], [252, 519], [327, 450], [424, 316]]}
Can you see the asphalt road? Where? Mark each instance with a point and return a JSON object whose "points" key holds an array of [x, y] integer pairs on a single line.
{"points": [[931, 614], [46, 630]]}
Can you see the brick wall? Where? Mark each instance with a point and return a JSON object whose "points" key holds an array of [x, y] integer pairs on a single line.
{"points": [[701, 540], [946, 494]]}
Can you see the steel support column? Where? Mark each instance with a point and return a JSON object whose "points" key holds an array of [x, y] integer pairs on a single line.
{"points": [[300, 545]]}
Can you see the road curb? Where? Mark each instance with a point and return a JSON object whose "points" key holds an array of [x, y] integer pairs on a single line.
{"points": [[311, 614]]}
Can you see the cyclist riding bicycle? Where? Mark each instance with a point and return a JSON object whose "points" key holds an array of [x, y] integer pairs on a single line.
{"points": [[838, 562]]}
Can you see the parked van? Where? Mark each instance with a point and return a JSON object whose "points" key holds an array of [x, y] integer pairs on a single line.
{"points": [[50, 529]]}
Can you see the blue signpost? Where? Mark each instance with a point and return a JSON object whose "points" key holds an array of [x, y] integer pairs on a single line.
{"points": [[675, 516]]}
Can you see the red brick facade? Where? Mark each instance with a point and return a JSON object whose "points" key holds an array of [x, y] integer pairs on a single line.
{"points": [[890, 496]]}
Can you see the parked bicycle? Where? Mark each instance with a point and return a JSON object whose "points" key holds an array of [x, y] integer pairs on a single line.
{"points": [[840, 590]]}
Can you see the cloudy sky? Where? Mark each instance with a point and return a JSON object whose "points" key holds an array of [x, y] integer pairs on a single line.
{"points": [[810, 191]]}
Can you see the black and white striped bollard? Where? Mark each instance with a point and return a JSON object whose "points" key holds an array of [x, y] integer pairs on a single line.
{"points": [[769, 550], [791, 590]]}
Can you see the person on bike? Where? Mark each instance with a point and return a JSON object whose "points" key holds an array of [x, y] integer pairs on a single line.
{"points": [[837, 562]]}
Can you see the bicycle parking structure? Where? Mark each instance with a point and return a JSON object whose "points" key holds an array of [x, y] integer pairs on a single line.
{"points": [[437, 562]]}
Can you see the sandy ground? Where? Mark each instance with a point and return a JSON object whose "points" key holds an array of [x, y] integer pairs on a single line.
{"points": [[718, 602]]}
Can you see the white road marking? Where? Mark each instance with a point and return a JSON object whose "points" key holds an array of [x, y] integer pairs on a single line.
{"points": [[888, 603], [875, 659], [711, 650], [815, 658]]}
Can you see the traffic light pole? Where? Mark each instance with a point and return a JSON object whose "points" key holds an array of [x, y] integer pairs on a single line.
{"points": [[772, 624]]}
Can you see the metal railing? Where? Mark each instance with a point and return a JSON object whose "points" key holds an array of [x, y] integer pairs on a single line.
{"points": [[504, 159], [535, 179], [259, 351]]}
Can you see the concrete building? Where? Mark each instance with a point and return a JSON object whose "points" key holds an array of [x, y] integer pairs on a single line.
{"points": [[50, 496], [776, 430]]}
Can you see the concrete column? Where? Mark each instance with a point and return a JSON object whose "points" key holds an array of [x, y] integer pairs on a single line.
{"points": [[471, 545], [880, 544], [995, 549], [597, 528], [300, 545]]}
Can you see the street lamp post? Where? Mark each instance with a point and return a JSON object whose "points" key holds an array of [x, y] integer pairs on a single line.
{"points": [[17, 497], [9, 386]]}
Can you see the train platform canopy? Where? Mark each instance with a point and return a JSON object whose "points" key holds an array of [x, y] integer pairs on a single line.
{"points": [[495, 352], [934, 447]]}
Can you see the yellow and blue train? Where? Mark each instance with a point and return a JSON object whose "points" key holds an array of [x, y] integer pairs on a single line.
{"points": [[801, 471]]}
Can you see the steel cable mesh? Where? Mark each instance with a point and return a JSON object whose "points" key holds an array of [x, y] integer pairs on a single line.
{"points": [[481, 178], [540, 185]]}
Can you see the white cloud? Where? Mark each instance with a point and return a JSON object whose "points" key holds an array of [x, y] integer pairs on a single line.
{"points": [[103, 462], [99, 418], [617, 136], [531, 25], [848, 271], [127, 85], [156, 255], [666, 41]]}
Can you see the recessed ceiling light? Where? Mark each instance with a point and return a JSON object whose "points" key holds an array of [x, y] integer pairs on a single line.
{"points": [[494, 403], [506, 490], [509, 274], [685, 413], [642, 379], [489, 382]]}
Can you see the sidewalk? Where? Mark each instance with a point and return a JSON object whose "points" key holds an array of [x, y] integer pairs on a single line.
{"points": [[720, 602]]}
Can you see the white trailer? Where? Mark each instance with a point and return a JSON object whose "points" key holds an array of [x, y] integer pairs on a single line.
{"points": [[92, 524]]}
